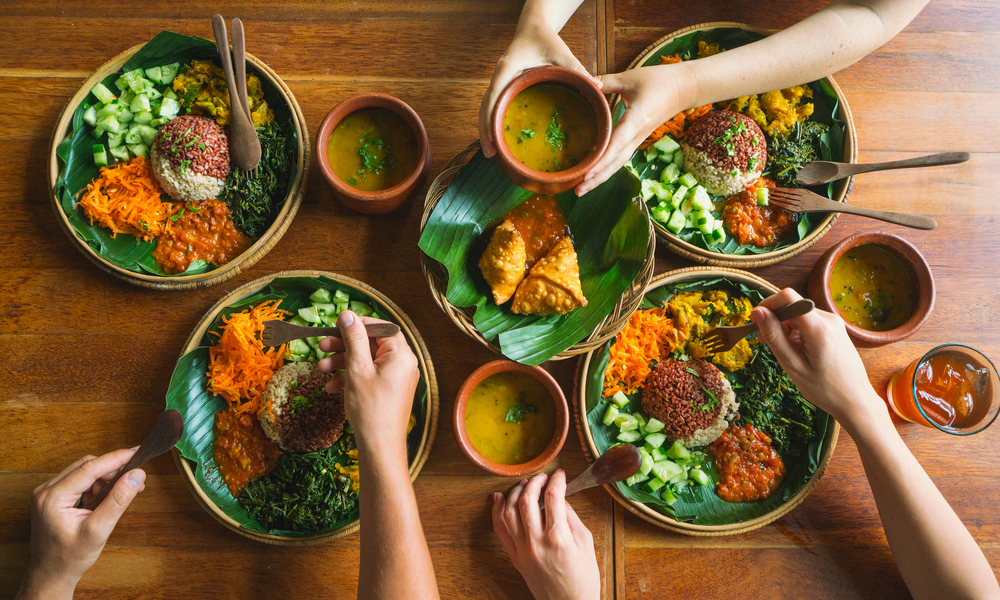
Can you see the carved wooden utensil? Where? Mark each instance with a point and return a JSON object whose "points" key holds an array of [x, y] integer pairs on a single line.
{"points": [[824, 171], [618, 463], [278, 332]]}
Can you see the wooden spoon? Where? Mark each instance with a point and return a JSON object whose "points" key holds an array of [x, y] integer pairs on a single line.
{"points": [[166, 431], [824, 171], [618, 463], [244, 147]]}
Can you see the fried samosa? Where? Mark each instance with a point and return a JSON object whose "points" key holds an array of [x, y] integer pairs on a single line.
{"points": [[553, 285], [505, 261]]}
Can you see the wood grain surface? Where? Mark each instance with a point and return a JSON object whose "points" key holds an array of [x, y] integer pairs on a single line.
{"points": [[86, 359]]}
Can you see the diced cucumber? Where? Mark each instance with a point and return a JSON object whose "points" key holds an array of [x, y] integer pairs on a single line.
{"points": [[700, 200], [668, 496], [297, 320], [620, 399], [677, 222], [168, 72], [325, 309], [102, 93], [120, 152], [651, 152], [153, 73], [661, 214], [699, 476], [169, 108], [626, 422], [108, 110], [134, 135], [320, 295], [341, 306], [648, 188], [127, 97], [629, 436], [658, 454], [170, 94], [688, 180], [655, 440], [653, 426], [666, 469], [662, 192], [679, 159], [310, 314], [360, 308], [647, 461], [138, 149], [763, 196], [100, 156], [666, 145], [148, 134], [143, 118], [125, 116], [705, 222], [679, 195], [159, 121], [153, 93], [341, 296], [718, 234], [670, 174], [611, 414], [115, 139], [109, 123], [298, 347], [637, 478], [677, 450], [642, 422], [121, 83], [90, 116], [653, 485], [139, 104]]}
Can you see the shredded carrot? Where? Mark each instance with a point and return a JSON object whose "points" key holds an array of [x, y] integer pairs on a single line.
{"points": [[648, 336], [238, 366], [681, 120], [125, 198]]}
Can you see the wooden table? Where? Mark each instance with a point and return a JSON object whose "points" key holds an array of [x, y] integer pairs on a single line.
{"points": [[85, 359]]}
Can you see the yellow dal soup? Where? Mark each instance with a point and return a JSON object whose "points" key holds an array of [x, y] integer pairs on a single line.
{"points": [[373, 149], [510, 418], [872, 288], [550, 128]]}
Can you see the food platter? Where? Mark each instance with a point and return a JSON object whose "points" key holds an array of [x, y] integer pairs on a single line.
{"points": [[188, 393], [699, 512], [451, 234], [827, 96], [133, 262]]}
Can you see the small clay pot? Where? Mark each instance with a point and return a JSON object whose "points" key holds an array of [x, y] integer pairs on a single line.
{"points": [[819, 286], [558, 438], [386, 200], [538, 181]]}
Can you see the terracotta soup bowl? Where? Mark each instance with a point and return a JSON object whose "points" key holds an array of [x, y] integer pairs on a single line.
{"points": [[919, 271], [561, 417], [382, 201], [541, 182]]}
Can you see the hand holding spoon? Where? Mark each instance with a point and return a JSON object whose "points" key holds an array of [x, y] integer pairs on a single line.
{"points": [[166, 431], [618, 463]]}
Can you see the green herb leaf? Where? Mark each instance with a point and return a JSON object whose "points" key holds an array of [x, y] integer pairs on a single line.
{"points": [[517, 412], [554, 135]]}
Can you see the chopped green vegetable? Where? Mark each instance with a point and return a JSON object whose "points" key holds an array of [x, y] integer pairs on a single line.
{"points": [[788, 154], [772, 404], [518, 411], [254, 202]]}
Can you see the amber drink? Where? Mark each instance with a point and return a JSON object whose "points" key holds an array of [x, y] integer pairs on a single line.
{"points": [[953, 388]]}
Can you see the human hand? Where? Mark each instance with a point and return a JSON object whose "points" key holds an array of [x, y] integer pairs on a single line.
{"points": [[652, 96], [65, 540], [556, 558], [378, 394], [534, 45], [815, 351]]}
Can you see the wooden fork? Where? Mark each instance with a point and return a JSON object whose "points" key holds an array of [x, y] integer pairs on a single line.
{"points": [[801, 201], [722, 339], [277, 332], [244, 146]]}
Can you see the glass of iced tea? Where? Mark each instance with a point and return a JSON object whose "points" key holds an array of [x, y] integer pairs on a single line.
{"points": [[953, 387]]}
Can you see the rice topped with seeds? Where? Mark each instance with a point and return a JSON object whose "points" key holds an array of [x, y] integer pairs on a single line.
{"points": [[725, 151], [693, 400], [190, 158]]}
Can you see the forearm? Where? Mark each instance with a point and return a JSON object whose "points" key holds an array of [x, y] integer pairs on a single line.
{"points": [[395, 562], [934, 552], [548, 13], [824, 43], [40, 586]]}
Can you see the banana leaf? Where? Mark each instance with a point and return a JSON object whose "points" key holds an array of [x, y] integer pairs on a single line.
{"points": [[188, 393], [825, 111], [699, 504], [609, 231], [77, 167]]}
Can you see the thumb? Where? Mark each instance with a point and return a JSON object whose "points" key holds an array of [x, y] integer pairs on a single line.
{"points": [[612, 83], [356, 345], [106, 515], [772, 334]]}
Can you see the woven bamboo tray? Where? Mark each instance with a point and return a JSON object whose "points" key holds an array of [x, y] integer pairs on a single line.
{"points": [[842, 188], [437, 276], [296, 188], [426, 366], [648, 514]]}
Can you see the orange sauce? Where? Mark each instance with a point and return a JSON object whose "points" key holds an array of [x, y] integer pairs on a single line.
{"points": [[757, 225], [203, 232], [953, 388], [748, 465], [242, 450], [540, 222]]}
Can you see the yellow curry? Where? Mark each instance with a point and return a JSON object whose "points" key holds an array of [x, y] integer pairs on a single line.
{"points": [[202, 88], [697, 313], [872, 288], [373, 149], [510, 418], [550, 127]]}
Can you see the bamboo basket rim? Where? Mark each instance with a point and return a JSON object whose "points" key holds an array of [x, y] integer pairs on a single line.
{"points": [[749, 261], [436, 275], [425, 364], [260, 247], [648, 514]]}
